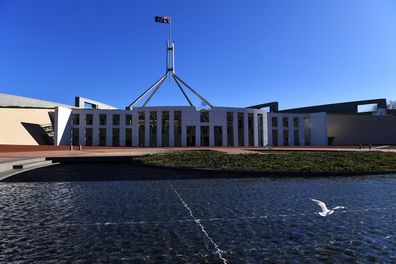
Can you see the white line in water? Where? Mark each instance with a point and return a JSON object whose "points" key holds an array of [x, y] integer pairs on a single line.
{"points": [[218, 250]]}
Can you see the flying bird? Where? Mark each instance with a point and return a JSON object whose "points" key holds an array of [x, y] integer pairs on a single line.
{"points": [[325, 210]]}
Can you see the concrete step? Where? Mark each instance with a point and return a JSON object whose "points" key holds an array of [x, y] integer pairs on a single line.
{"points": [[7, 174], [31, 164], [9, 165]]}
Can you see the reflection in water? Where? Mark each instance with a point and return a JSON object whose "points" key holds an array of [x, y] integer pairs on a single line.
{"points": [[250, 220]]}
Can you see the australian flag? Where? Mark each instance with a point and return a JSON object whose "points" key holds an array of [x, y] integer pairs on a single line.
{"points": [[162, 19]]}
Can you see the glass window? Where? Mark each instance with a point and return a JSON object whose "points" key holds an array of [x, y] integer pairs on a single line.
{"points": [[205, 136], [88, 136], [102, 136], [177, 128], [218, 136], [116, 137], [116, 120], [285, 122], [204, 116], [76, 119], [190, 136], [102, 119], [241, 130], [128, 120], [295, 121], [153, 129], [165, 128], [128, 137], [230, 129], [274, 121], [89, 119], [250, 129]]}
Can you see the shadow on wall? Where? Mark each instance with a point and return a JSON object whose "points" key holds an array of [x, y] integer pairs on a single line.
{"points": [[37, 133]]}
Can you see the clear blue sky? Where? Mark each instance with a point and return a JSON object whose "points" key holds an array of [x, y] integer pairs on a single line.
{"points": [[235, 53]]}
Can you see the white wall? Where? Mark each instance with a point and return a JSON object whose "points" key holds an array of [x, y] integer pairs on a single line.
{"points": [[62, 127]]}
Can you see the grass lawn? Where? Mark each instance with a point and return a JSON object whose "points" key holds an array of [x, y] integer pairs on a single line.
{"points": [[277, 162]]}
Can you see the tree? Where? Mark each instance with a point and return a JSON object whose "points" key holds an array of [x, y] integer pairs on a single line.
{"points": [[391, 104]]}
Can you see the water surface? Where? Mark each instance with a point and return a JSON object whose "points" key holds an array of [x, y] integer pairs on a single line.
{"points": [[199, 221]]}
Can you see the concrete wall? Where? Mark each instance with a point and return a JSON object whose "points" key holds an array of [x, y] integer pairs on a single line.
{"points": [[23, 126], [362, 129], [20, 101], [62, 126]]}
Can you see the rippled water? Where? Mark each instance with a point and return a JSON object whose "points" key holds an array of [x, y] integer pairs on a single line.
{"points": [[178, 221]]}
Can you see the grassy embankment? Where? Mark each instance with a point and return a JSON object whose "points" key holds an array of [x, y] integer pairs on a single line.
{"points": [[278, 162]]}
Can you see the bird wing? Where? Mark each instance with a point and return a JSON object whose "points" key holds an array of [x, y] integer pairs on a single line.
{"points": [[339, 207], [321, 204]]}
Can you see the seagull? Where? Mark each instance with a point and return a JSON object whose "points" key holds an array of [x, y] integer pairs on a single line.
{"points": [[325, 210]]}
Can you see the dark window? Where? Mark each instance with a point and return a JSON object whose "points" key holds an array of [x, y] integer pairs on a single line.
{"points": [[295, 121], [218, 136], [285, 122], [204, 116], [274, 121], [76, 119], [89, 119], [153, 129], [165, 129], [116, 120], [128, 137], [102, 119], [141, 127], [116, 137], [190, 136], [230, 129], [128, 120], [177, 128], [204, 136]]}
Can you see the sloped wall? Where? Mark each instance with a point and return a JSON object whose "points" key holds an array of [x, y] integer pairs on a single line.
{"points": [[23, 126]]}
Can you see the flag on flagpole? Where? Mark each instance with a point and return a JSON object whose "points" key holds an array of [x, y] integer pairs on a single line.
{"points": [[162, 19]]}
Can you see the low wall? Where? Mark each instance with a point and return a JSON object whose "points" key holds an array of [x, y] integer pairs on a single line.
{"points": [[361, 129]]}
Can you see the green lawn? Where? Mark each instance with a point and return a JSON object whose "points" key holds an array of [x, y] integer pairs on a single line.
{"points": [[287, 162]]}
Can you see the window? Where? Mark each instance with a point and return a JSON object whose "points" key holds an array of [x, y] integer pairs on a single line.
{"points": [[128, 120], [88, 136], [76, 119], [218, 136], [75, 136], [285, 122], [190, 136], [204, 136], [274, 121], [89, 119], [116, 137], [204, 116], [241, 130], [116, 120], [128, 137], [250, 129], [295, 121], [153, 129], [102, 136], [230, 129], [165, 129], [102, 119], [177, 128]]}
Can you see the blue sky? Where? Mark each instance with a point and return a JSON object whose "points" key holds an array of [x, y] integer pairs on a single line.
{"points": [[235, 53]]}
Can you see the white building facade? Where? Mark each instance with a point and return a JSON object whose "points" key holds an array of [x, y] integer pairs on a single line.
{"points": [[184, 126]]}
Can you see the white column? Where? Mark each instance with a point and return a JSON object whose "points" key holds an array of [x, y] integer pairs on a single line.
{"points": [[109, 130], [291, 130], [171, 128], [245, 129], [159, 128], [135, 128], [301, 131], [146, 128], [235, 128], [95, 129], [255, 129]]}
